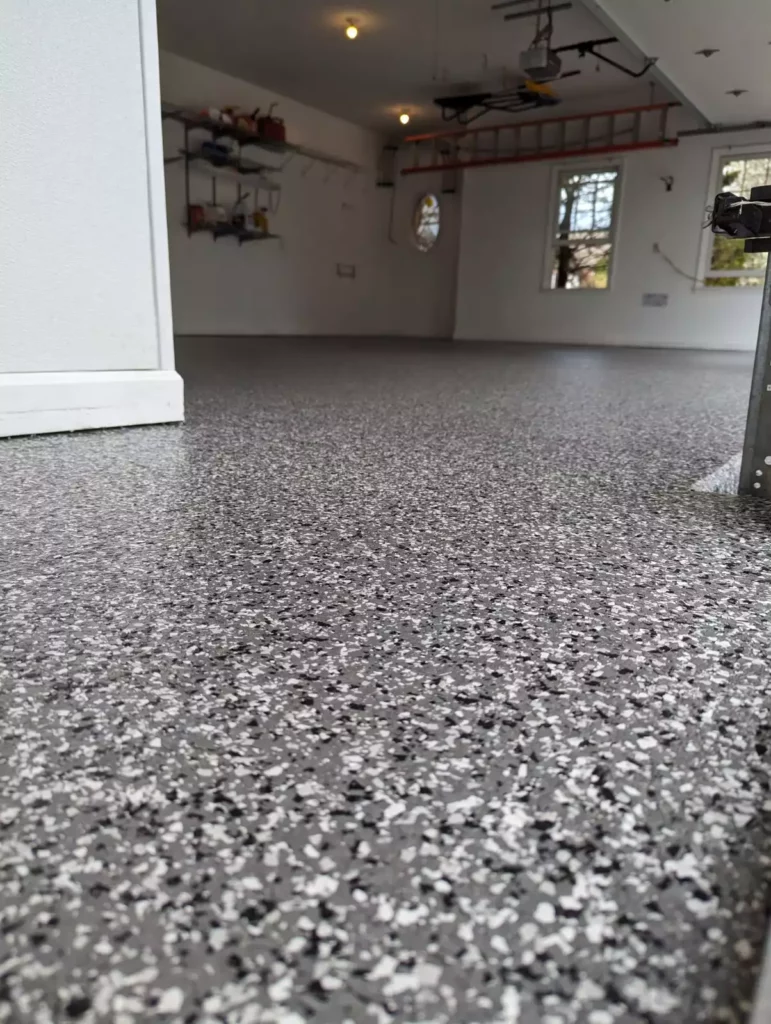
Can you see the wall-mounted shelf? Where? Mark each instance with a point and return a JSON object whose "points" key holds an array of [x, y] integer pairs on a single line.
{"points": [[219, 129], [234, 165], [219, 161], [193, 121], [232, 231]]}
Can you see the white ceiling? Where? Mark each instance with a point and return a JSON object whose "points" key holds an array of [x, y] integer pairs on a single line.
{"points": [[673, 30], [400, 60]]}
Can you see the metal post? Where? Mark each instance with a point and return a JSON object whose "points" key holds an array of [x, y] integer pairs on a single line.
{"points": [[755, 477]]}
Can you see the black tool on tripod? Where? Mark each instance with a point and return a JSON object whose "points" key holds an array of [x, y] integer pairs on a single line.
{"points": [[750, 219]]}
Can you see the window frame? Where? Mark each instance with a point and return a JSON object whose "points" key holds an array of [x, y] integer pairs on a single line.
{"points": [[574, 167], [720, 156]]}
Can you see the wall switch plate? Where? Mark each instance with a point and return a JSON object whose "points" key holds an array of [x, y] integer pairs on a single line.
{"points": [[657, 299]]}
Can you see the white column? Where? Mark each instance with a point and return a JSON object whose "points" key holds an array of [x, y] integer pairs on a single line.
{"points": [[85, 307]]}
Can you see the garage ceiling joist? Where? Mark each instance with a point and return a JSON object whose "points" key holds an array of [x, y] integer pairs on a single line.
{"points": [[658, 72], [712, 55]]}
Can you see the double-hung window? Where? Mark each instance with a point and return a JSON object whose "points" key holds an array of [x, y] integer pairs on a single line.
{"points": [[728, 265], [582, 232]]}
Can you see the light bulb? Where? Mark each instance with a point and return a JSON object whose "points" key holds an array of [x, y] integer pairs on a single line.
{"points": [[352, 31], [404, 118]]}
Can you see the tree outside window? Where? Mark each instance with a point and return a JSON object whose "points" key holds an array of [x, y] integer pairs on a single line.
{"points": [[582, 246], [427, 222]]}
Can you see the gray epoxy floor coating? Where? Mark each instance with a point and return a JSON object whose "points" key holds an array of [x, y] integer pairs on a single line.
{"points": [[407, 682]]}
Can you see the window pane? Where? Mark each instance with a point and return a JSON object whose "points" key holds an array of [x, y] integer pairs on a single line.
{"points": [[584, 228], [729, 254], [586, 204], [427, 222], [581, 265], [739, 176]]}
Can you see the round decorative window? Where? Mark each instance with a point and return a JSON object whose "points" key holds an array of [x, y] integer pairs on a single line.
{"points": [[427, 223]]}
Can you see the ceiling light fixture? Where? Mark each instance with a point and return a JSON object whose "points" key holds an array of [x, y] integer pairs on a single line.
{"points": [[353, 30], [404, 117]]}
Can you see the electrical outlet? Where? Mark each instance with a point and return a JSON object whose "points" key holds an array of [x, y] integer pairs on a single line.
{"points": [[656, 299]]}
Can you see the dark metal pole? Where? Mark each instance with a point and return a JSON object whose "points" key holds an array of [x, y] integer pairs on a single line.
{"points": [[755, 477], [722, 129]]}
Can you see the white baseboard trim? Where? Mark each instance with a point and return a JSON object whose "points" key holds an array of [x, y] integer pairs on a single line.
{"points": [[46, 403]]}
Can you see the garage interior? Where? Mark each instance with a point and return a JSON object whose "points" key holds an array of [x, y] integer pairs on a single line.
{"points": [[376, 647]]}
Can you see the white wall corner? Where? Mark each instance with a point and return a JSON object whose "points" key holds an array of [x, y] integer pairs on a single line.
{"points": [[156, 181], [107, 363], [47, 403]]}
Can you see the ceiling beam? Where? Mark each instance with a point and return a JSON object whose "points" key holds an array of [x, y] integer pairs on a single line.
{"points": [[598, 8], [512, 3], [549, 9]]}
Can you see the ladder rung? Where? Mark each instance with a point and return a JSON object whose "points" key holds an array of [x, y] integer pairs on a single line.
{"points": [[636, 128]]}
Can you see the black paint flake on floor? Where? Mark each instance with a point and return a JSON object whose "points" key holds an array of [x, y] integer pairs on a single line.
{"points": [[406, 682]]}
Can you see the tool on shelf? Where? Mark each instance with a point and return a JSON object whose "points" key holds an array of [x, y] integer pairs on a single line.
{"points": [[260, 218], [215, 214], [196, 216], [221, 124], [239, 213], [216, 152], [236, 220], [270, 128]]}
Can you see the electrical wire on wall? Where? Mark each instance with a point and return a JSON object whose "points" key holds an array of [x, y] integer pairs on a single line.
{"points": [[689, 277], [740, 204]]}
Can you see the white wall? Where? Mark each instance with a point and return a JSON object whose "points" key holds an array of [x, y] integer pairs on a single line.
{"points": [[501, 267], [83, 268], [326, 217]]}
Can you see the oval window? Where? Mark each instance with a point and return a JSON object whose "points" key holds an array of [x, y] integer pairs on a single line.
{"points": [[427, 223]]}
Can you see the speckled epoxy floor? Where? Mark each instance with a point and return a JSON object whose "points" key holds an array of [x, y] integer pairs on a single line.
{"points": [[407, 682]]}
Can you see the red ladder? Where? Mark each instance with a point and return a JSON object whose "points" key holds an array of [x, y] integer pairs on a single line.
{"points": [[556, 138]]}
